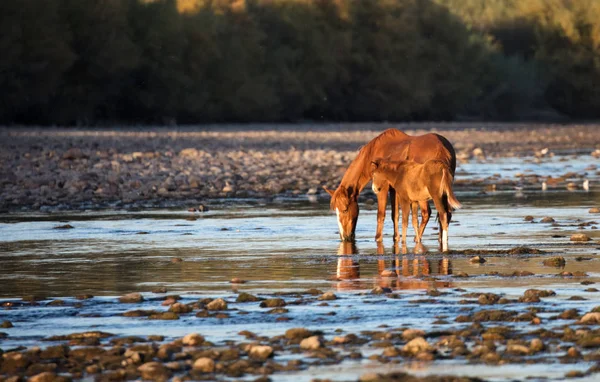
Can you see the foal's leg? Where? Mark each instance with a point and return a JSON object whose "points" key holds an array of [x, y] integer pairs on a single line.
{"points": [[395, 212], [425, 215], [405, 211], [443, 218], [415, 221], [381, 202]]}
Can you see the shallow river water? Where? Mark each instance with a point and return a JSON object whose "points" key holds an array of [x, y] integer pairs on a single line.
{"points": [[291, 246]]}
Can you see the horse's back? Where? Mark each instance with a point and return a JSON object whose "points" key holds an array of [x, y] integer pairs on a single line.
{"points": [[422, 148]]}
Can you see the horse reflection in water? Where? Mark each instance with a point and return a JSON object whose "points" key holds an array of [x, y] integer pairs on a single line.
{"points": [[404, 271]]}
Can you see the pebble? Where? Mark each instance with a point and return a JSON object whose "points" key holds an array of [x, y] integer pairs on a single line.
{"points": [[237, 280], [477, 260], [547, 219]]}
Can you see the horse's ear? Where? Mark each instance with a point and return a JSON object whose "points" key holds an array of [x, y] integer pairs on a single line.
{"points": [[350, 191], [330, 192], [375, 165]]}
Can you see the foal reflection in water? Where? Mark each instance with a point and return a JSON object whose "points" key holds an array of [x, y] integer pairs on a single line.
{"points": [[406, 271]]}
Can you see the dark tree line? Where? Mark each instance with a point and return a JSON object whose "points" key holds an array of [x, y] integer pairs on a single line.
{"points": [[194, 61]]}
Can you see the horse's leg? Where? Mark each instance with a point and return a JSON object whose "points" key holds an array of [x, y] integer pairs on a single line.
{"points": [[425, 215], [405, 211], [443, 218], [381, 202], [395, 212], [415, 221]]}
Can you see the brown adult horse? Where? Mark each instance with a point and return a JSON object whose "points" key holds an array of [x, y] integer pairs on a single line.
{"points": [[416, 182], [393, 144]]}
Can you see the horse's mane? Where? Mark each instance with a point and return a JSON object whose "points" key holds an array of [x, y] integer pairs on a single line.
{"points": [[389, 133]]}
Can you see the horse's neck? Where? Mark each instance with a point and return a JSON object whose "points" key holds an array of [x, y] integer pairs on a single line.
{"points": [[357, 174]]}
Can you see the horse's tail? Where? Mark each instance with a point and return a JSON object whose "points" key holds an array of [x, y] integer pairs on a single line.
{"points": [[446, 189]]}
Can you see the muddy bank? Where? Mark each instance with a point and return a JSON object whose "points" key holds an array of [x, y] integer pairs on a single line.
{"points": [[153, 167]]}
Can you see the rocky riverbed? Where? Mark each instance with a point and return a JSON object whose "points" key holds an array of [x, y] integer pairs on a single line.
{"points": [[50, 168]]}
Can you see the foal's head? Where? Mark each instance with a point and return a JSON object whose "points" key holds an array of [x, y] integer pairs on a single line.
{"points": [[344, 201], [379, 178]]}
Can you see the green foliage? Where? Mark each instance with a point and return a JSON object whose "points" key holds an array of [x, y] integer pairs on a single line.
{"points": [[190, 61]]}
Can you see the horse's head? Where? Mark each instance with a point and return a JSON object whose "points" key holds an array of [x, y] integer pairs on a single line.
{"points": [[344, 201], [377, 178]]}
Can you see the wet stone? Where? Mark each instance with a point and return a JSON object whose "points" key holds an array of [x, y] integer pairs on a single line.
{"points": [[298, 333], [246, 297], [380, 290], [139, 313], [217, 304], [192, 339], [477, 260], [164, 316], [569, 314], [494, 315], [580, 237], [557, 261], [6, 324], [273, 303], [260, 352], [64, 226], [159, 290], [54, 352], [154, 371], [488, 299], [48, 376], [528, 218], [328, 296], [237, 280], [547, 219], [590, 318], [311, 343], [131, 298], [204, 365], [180, 308], [594, 210], [416, 346]]}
